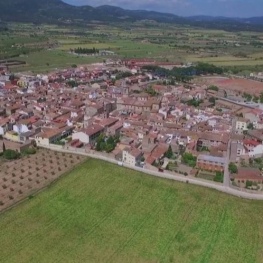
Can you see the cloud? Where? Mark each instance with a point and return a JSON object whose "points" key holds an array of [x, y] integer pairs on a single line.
{"points": [[233, 8]]}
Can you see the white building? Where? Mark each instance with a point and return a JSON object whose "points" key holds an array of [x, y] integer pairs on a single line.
{"points": [[20, 128], [131, 157], [241, 125], [88, 135]]}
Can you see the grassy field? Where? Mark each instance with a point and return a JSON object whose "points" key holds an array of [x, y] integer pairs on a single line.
{"points": [[123, 216], [49, 60]]}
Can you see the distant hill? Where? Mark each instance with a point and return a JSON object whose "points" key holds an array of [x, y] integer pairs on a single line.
{"points": [[56, 11]]}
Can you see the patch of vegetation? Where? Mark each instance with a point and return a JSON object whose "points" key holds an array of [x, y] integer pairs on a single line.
{"points": [[11, 154], [219, 177], [107, 144], [189, 159], [30, 150], [151, 91], [194, 102], [169, 154], [232, 168]]}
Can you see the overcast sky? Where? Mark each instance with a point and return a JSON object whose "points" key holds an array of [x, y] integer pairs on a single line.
{"points": [[232, 8]]}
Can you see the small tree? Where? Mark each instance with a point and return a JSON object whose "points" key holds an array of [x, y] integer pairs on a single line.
{"points": [[232, 168], [169, 153]]}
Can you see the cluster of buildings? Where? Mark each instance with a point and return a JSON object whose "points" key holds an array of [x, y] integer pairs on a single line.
{"points": [[73, 107]]}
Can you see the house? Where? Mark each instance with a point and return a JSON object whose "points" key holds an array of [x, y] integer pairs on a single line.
{"points": [[254, 149], [210, 163], [131, 156], [256, 134], [254, 117], [15, 146], [208, 140], [115, 129], [237, 150], [52, 135], [12, 136], [248, 174], [89, 134], [157, 153], [22, 126], [240, 125], [4, 125]]}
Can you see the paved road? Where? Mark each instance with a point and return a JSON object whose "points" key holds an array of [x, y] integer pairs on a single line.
{"points": [[226, 171], [177, 177]]}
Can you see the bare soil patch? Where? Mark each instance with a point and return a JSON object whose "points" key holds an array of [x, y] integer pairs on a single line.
{"points": [[236, 84]]}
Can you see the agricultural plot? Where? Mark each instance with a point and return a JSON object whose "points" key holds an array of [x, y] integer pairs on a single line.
{"points": [[100, 212], [234, 84], [21, 178], [46, 47]]}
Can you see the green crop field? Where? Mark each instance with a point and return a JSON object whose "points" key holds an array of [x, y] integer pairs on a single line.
{"points": [[104, 213], [46, 47]]}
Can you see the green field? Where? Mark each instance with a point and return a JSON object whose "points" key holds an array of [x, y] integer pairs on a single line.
{"points": [[48, 60], [46, 47], [104, 213]]}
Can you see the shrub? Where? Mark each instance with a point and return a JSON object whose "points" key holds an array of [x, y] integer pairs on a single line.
{"points": [[13, 181], [4, 186], [219, 177], [11, 197], [232, 168], [30, 150], [11, 155], [1, 203], [13, 174], [249, 184], [20, 192]]}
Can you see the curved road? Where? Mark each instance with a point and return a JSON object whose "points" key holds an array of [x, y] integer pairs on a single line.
{"points": [[225, 188]]}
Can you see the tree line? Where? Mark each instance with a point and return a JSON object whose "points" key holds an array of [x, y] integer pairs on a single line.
{"points": [[185, 74], [81, 50]]}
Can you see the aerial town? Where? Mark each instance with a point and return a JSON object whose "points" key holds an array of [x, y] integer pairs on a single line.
{"points": [[125, 112]]}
